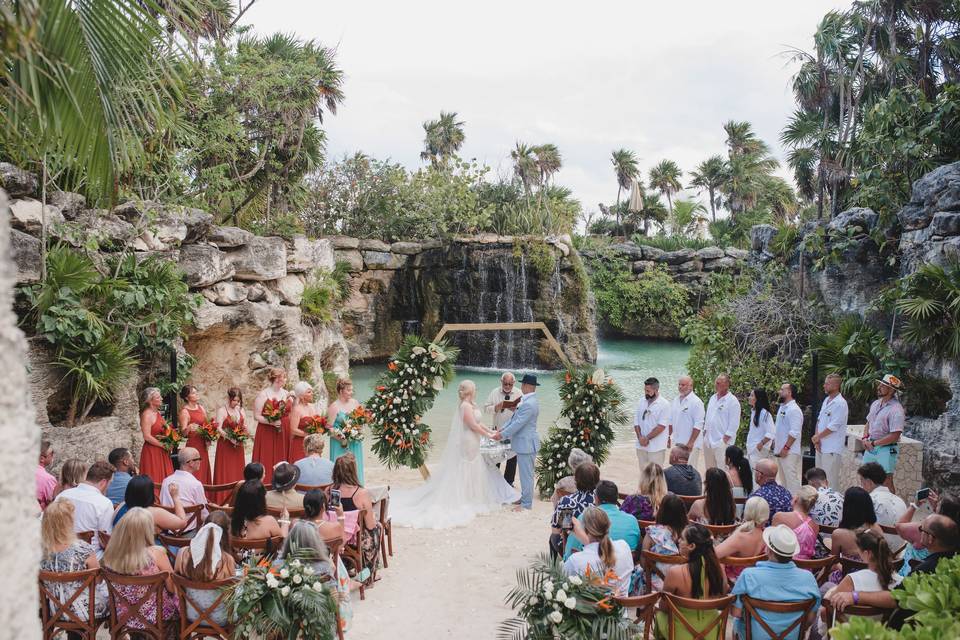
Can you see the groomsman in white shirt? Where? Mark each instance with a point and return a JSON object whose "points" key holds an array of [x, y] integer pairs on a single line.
{"points": [[686, 419], [720, 424], [650, 425], [786, 443], [831, 430]]}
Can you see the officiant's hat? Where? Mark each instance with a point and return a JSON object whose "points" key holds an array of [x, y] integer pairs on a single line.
{"points": [[529, 378]]}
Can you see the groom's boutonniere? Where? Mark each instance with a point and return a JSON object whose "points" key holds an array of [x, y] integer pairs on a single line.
{"points": [[685, 408], [646, 412]]}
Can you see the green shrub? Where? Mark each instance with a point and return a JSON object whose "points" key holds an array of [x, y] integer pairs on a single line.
{"points": [[323, 291], [930, 300], [672, 242], [540, 255], [651, 295]]}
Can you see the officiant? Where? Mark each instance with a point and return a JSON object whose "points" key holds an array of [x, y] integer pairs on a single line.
{"points": [[501, 403]]}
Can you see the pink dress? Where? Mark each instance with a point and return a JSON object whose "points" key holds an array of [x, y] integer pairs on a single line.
{"points": [[807, 539]]}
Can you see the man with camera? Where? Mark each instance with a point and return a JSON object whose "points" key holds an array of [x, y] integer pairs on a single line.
{"points": [[501, 403]]}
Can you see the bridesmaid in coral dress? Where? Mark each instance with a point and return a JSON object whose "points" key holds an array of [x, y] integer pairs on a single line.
{"points": [[192, 415], [230, 458], [303, 410], [269, 445], [154, 459]]}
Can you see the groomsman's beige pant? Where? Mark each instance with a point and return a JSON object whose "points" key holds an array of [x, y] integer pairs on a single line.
{"points": [[646, 457], [830, 463], [755, 456], [789, 474], [715, 456], [695, 458]]}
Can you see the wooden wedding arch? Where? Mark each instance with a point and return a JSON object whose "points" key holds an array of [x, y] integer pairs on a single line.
{"points": [[505, 326]]}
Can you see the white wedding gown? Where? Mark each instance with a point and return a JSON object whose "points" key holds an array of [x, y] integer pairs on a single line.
{"points": [[464, 486]]}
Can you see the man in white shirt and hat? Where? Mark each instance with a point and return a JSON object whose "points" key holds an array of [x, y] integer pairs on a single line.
{"points": [[721, 423], [686, 419], [650, 425], [501, 404], [831, 432], [786, 443]]}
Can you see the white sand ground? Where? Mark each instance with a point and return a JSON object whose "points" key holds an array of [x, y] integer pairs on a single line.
{"points": [[452, 583]]}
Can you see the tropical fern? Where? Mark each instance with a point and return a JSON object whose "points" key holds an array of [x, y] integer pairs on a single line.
{"points": [[930, 299]]}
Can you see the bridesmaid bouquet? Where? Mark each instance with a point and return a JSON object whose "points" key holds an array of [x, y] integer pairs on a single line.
{"points": [[234, 431], [351, 429], [208, 431], [274, 410], [316, 424], [170, 438]]}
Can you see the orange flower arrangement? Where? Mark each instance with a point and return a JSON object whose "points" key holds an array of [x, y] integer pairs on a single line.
{"points": [[234, 431], [316, 424], [274, 410], [169, 437], [208, 431]]}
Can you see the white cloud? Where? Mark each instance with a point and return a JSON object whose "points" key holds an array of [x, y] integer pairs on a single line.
{"points": [[658, 78]]}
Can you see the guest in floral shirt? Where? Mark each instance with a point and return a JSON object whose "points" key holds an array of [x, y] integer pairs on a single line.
{"points": [[776, 496], [586, 476], [829, 505]]}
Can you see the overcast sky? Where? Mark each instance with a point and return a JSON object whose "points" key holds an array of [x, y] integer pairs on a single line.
{"points": [[658, 78]]}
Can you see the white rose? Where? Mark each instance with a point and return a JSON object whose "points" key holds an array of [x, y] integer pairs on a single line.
{"points": [[295, 563], [575, 580], [297, 579], [570, 603], [285, 591], [318, 586], [555, 617], [308, 570], [561, 595], [272, 581], [533, 600], [284, 573], [548, 585], [419, 350]]}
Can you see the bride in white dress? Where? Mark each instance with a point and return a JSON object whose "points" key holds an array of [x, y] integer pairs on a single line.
{"points": [[465, 485]]}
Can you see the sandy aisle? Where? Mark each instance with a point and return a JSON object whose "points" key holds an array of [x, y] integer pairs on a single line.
{"points": [[452, 583]]}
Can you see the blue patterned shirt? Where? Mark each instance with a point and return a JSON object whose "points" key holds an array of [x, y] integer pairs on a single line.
{"points": [[777, 496], [577, 501]]}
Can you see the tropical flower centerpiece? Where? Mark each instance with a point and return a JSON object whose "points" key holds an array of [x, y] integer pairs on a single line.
{"points": [[282, 601], [234, 431], [208, 431], [405, 392], [592, 404], [316, 424], [170, 438], [351, 429], [550, 604], [274, 410]]}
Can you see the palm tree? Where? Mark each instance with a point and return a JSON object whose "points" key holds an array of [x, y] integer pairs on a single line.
{"points": [[688, 216], [525, 165], [548, 161], [710, 175], [652, 210], [626, 169], [665, 178], [444, 137]]}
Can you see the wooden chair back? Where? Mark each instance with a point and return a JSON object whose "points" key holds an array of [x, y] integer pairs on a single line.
{"points": [[295, 514], [749, 561], [104, 539], [266, 547], [715, 629], [194, 515], [689, 500], [753, 606], [860, 610], [826, 529], [721, 530], [58, 592], [743, 500], [173, 544], [128, 605], [220, 494], [226, 509], [646, 607], [820, 567], [849, 565], [387, 523], [303, 488], [353, 550], [645, 524], [86, 536], [203, 624], [650, 559]]}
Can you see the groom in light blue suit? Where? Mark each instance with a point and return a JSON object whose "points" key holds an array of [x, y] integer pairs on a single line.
{"points": [[521, 430]]}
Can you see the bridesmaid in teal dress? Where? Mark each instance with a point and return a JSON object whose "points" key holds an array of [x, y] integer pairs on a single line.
{"points": [[336, 414]]}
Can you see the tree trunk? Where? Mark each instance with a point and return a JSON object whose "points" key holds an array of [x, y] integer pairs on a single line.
{"points": [[713, 206], [669, 202], [617, 214]]}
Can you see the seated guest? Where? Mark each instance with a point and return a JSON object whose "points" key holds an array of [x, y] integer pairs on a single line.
{"points": [[623, 526], [600, 553], [354, 497], [315, 470], [72, 474], [829, 503], [878, 576], [283, 494], [700, 578], [250, 519], [586, 476], [747, 540], [857, 513], [132, 552], [799, 520], [682, 479], [888, 506], [63, 552], [739, 473], [207, 559], [910, 530], [93, 511], [941, 536], [777, 579], [567, 484], [253, 471], [46, 481], [191, 489], [316, 509], [122, 461], [140, 493], [777, 496], [305, 544], [644, 504], [664, 536], [717, 507]]}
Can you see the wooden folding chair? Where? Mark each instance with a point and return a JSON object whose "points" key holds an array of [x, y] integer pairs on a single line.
{"points": [[104, 539], [649, 560], [820, 567], [86, 536], [303, 488], [194, 515], [751, 613], [721, 530], [745, 562], [742, 500], [354, 552], [220, 494], [857, 610], [173, 544], [197, 621], [295, 514], [849, 565], [689, 500], [266, 547], [646, 524], [646, 607], [717, 627], [127, 611], [326, 580], [387, 523], [57, 613]]}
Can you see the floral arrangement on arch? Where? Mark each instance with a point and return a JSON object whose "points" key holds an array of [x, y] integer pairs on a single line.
{"points": [[592, 405], [170, 437], [351, 429], [235, 431], [287, 601], [550, 604], [404, 393]]}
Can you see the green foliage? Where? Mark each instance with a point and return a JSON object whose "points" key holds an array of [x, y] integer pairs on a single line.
{"points": [[444, 137], [672, 242], [648, 296], [786, 240], [323, 291], [930, 300], [592, 406], [540, 255]]}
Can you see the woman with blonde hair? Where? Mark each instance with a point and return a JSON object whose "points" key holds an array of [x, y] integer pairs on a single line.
{"points": [[154, 458], [270, 442], [747, 540], [337, 413], [63, 552], [132, 552], [600, 554], [304, 410], [800, 521], [644, 504]]}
